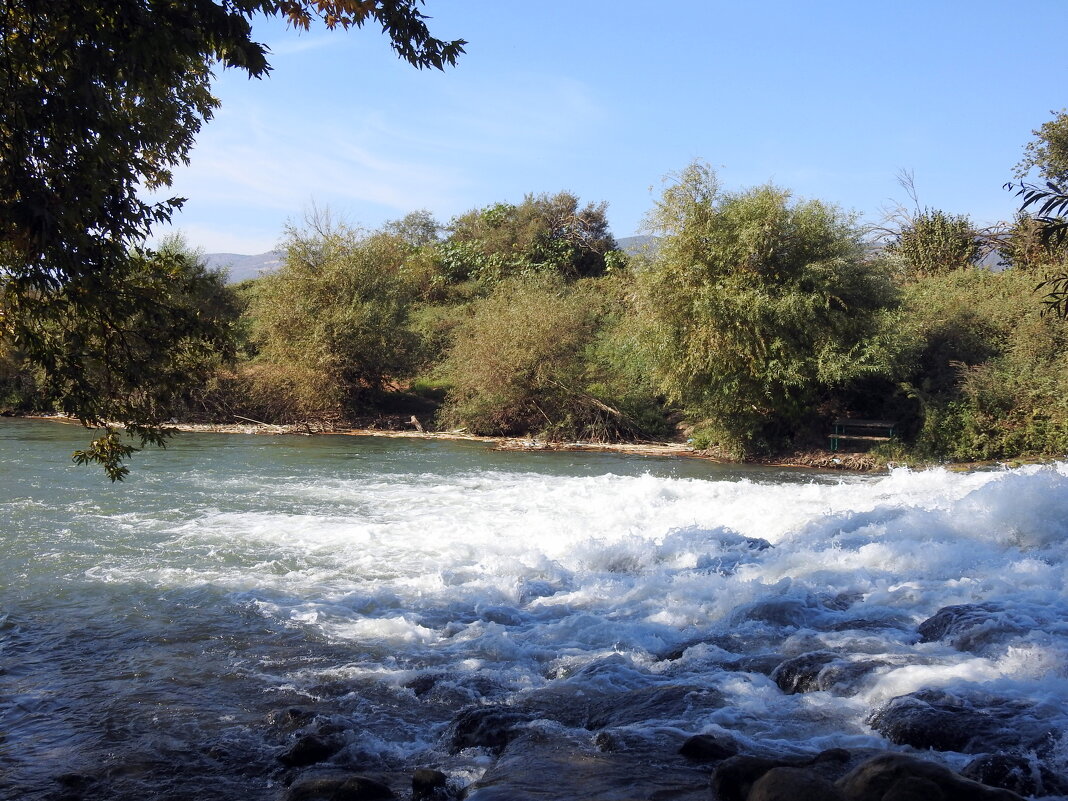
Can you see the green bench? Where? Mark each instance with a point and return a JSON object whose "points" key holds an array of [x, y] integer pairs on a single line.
{"points": [[850, 429]]}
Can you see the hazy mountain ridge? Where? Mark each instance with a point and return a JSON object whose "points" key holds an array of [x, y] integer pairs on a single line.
{"points": [[241, 267]]}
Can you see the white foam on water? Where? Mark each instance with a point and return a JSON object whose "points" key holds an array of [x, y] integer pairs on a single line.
{"points": [[527, 577]]}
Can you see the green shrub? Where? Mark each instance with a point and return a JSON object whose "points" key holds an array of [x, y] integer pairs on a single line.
{"points": [[987, 370], [332, 323], [535, 356]]}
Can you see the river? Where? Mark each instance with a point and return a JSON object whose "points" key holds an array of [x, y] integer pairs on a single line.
{"points": [[246, 611]]}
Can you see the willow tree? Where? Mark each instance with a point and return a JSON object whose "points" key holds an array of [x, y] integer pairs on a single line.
{"points": [[752, 303], [331, 323], [97, 101]]}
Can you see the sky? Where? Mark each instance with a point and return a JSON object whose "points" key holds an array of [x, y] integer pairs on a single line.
{"points": [[607, 98]]}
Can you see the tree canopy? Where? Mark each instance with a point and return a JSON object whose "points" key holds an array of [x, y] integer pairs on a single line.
{"points": [[332, 322], [934, 241], [1047, 154], [544, 233], [113, 107], [753, 301]]}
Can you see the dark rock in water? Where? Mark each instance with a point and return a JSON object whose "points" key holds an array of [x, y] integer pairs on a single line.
{"points": [[793, 784], [800, 674], [940, 721], [290, 718], [915, 788], [842, 601], [786, 612], [429, 784], [76, 787], [309, 749], [491, 727], [620, 740], [970, 627], [734, 778], [1021, 773], [896, 622], [421, 685], [338, 787], [898, 777], [759, 663], [541, 767], [504, 615], [708, 748], [646, 703], [842, 677]]}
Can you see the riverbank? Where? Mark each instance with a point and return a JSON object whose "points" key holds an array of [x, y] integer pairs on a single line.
{"points": [[813, 459]]}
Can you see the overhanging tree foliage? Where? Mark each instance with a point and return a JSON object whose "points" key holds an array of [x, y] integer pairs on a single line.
{"points": [[1047, 154], [98, 100]]}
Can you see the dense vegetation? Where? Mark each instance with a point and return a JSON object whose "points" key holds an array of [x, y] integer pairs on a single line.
{"points": [[755, 320], [112, 109]]}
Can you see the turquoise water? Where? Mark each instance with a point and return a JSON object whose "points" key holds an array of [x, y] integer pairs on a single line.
{"points": [[155, 634]]}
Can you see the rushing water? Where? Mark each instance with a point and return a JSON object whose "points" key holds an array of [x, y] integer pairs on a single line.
{"points": [[176, 635]]}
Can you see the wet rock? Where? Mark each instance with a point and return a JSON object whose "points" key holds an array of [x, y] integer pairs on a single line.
{"points": [[421, 685], [971, 627], [843, 677], [292, 717], [785, 612], [538, 766], [708, 748], [1022, 773], [619, 740], [894, 622], [800, 674], [309, 749], [503, 615], [491, 727], [77, 786], [734, 777], [658, 702], [764, 664], [914, 788], [793, 784], [898, 777], [338, 787], [943, 722], [429, 784]]}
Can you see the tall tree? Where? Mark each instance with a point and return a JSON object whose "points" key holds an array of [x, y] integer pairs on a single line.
{"points": [[753, 302], [332, 322], [544, 233], [98, 100], [1047, 154]]}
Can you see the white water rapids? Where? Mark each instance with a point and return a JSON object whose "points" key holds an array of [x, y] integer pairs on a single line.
{"points": [[151, 632]]}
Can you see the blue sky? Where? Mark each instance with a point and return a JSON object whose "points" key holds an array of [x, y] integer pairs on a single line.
{"points": [[605, 97]]}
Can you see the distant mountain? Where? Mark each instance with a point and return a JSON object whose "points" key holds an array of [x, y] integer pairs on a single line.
{"points": [[633, 245], [241, 268]]}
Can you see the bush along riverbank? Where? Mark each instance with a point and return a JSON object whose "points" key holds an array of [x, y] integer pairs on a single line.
{"points": [[749, 325]]}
